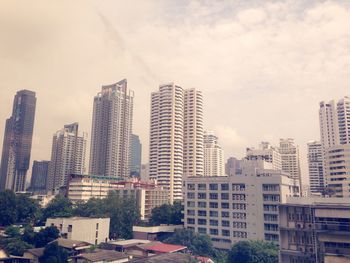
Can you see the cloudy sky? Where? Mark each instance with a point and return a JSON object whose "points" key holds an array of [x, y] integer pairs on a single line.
{"points": [[263, 66]]}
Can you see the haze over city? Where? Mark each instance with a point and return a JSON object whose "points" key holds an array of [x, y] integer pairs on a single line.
{"points": [[263, 67]]}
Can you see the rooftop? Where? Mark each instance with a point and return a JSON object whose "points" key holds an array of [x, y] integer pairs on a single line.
{"points": [[102, 256], [163, 248], [70, 244], [318, 201]]}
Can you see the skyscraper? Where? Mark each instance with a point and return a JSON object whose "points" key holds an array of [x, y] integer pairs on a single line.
{"points": [[18, 142], [135, 160], [315, 164], [266, 152], [67, 156], [290, 158], [213, 156], [111, 131], [40, 172], [176, 137]]}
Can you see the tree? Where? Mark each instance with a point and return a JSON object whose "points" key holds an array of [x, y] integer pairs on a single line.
{"points": [[8, 212], [45, 236], [28, 235], [14, 246], [27, 209], [60, 206], [167, 214], [12, 231], [53, 254], [253, 252]]}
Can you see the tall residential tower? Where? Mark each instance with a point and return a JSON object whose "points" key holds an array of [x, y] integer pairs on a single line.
{"points": [[18, 142], [176, 137], [213, 156], [315, 164], [111, 131]]}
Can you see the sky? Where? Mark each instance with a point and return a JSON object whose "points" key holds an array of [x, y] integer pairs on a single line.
{"points": [[263, 66]]}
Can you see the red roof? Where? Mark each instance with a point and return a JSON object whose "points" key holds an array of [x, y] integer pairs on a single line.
{"points": [[165, 248], [203, 259]]}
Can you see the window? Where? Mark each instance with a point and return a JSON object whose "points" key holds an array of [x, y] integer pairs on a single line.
{"points": [[202, 204], [202, 213], [214, 231], [270, 217], [190, 212], [213, 205], [213, 213], [202, 195], [202, 187], [213, 196], [225, 232], [214, 222], [202, 221], [225, 214], [190, 195], [191, 187], [225, 205], [239, 225], [237, 215], [239, 206], [238, 187], [191, 204], [239, 234], [213, 186], [70, 228], [190, 221], [271, 227], [202, 230], [225, 223], [271, 198], [238, 197], [270, 187], [224, 187], [224, 196], [97, 226]]}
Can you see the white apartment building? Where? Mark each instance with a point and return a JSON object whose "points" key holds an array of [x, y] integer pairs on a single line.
{"points": [[290, 158], [176, 137], [67, 156], [111, 131], [213, 156], [239, 207], [91, 230], [315, 165], [337, 169], [147, 195], [266, 153]]}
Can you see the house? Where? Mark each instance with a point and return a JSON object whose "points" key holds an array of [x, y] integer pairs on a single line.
{"points": [[101, 255], [5, 258], [153, 248], [154, 233], [123, 245], [168, 258], [34, 254]]}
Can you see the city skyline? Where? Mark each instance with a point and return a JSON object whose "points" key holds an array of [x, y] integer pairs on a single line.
{"points": [[243, 76]]}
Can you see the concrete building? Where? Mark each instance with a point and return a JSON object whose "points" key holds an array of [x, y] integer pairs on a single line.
{"points": [[176, 137], [144, 176], [315, 230], [135, 159], [213, 156], [111, 131], [266, 153], [91, 230], [17, 143], [290, 158], [337, 170], [315, 165], [239, 207], [67, 156], [232, 166], [40, 172], [148, 195]]}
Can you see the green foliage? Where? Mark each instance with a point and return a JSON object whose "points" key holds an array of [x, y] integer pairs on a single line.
{"points": [[167, 214], [14, 246], [60, 206], [12, 231], [8, 212], [54, 254], [200, 245], [253, 252], [28, 210], [28, 235], [45, 236]]}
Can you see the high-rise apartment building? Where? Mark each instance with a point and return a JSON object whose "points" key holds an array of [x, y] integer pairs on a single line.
{"points": [[18, 142], [290, 158], [176, 137], [240, 207], [213, 156], [266, 153], [67, 156], [40, 172], [232, 166], [135, 158], [315, 165], [111, 131]]}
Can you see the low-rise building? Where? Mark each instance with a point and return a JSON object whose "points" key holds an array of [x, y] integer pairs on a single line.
{"points": [[154, 233], [91, 230], [148, 195], [239, 207], [101, 255], [315, 230]]}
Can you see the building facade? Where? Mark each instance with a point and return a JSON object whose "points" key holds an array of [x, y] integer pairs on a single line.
{"points": [[290, 159], [18, 142], [176, 137], [147, 195], [111, 131], [266, 153], [213, 156], [40, 172], [239, 207], [67, 156], [315, 165], [135, 159], [315, 230], [91, 230], [232, 166]]}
